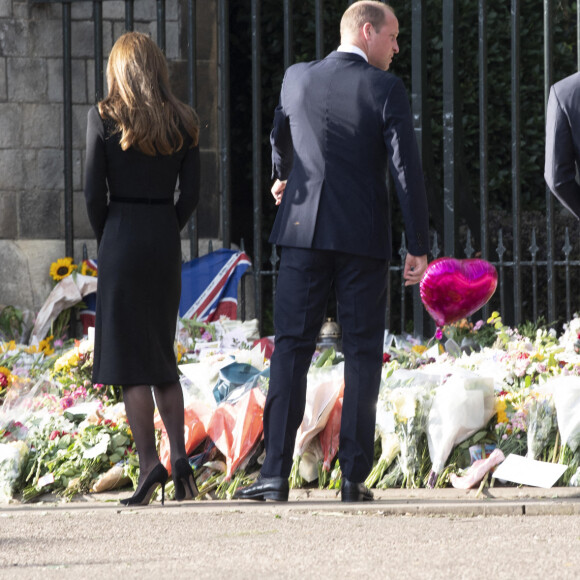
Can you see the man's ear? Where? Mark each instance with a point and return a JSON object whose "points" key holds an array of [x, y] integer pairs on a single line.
{"points": [[367, 29]]}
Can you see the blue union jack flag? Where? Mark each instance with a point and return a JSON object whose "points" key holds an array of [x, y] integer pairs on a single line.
{"points": [[209, 285]]}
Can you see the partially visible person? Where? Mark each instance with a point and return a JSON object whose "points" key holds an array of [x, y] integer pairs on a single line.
{"points": [[140, 140], [563, 142], [340, 123]]}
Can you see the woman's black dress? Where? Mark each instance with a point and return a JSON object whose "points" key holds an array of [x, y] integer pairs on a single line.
{"points": [[139, 256]]}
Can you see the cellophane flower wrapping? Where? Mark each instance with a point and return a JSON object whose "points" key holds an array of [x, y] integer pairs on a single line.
{"points": [[409, 396], [324, 386], [330, 435], [540, 421], [390, 445], [566, 395], [310, 461], [13, 457], [461, 406], [236, 428]]}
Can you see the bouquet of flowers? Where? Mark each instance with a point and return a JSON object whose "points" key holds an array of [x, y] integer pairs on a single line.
{"points": [[410, 402], [66, 460], [461, 406], [13, 457], [540, 422], [324, 386], [390, 445]]}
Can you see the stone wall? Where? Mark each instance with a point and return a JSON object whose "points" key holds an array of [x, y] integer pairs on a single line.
{"points": [[32, 219]]}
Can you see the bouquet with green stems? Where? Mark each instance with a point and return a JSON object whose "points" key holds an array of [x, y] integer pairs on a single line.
{"points": [[541, 423], [68, 461]]}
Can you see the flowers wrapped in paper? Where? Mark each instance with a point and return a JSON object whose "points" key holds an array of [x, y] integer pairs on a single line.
{"points": [[566, 395], [461, 406], [236, 428], [323, 388], [390, 445], [540, 422], [330, 438], [196, 418], [408, 396], [13, 457]]}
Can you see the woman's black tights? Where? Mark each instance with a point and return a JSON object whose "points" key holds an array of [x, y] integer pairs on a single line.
{"points": [[140, 409]]}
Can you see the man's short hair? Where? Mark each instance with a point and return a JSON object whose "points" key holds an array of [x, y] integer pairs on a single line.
{"points": [[360, 12]]}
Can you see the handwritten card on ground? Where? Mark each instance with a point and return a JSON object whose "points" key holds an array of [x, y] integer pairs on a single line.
{"points": [[518, 469]]}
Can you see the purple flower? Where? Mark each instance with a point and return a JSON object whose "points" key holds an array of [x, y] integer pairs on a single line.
{"points": [[478, 325], [66, 402]]}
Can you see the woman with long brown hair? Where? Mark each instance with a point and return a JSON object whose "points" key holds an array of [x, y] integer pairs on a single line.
{"points": [[140, 140]]}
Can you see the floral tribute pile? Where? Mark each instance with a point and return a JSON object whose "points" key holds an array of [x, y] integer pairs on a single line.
{"points": [[450, 409]]}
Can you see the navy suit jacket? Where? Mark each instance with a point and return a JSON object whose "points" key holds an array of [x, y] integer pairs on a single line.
{"points": [[339, 124], [563, 142]]}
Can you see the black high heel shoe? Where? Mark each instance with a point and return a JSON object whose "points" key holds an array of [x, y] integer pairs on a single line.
{"points": [[158, 476], [184, 480]]}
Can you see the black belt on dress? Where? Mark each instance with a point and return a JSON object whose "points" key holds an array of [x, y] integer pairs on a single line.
{"points": [[142, 200]]}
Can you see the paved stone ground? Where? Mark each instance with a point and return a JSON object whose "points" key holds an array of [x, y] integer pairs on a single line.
{"points": [[508, 532]]}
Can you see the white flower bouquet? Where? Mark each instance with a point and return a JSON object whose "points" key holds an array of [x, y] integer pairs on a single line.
{"points": [[461, 406]]}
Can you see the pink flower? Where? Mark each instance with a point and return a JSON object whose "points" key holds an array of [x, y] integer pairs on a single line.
{"points": [[54, 435], [478, 325], [439, 333], [66, 402]]}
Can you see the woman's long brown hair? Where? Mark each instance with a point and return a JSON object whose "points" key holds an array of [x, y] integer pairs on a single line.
{"points": [[140, 102]]}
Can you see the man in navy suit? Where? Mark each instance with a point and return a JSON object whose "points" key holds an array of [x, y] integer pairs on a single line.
{"points": [[341, 121], [563, 142]]}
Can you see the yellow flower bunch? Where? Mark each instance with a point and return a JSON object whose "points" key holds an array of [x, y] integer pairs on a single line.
{"points": [[69, 359], [500, 407], [7, 346], [181, 350], [87, 270], [495, 319], [419, 348], [44, 346], [62, 268]]}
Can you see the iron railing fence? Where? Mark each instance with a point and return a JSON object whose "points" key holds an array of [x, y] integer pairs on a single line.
{"points": [[542, 283]]}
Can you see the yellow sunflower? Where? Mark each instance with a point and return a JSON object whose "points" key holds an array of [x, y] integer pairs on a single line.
{"points": [[86, 269], [62, 268], [45, 346]]}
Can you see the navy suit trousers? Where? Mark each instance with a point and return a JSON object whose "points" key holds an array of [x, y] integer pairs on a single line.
{"points": [[304, 284]]}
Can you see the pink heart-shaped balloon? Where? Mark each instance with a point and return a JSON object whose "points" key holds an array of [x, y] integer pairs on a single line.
{"points": [[452, 289]]}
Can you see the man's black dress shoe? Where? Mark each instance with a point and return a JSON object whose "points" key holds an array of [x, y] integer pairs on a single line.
{"points": [[274, 488], [355, 491]]}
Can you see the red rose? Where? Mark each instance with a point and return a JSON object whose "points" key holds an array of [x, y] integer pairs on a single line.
{"points": [[386, 357], [54, 435]]}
